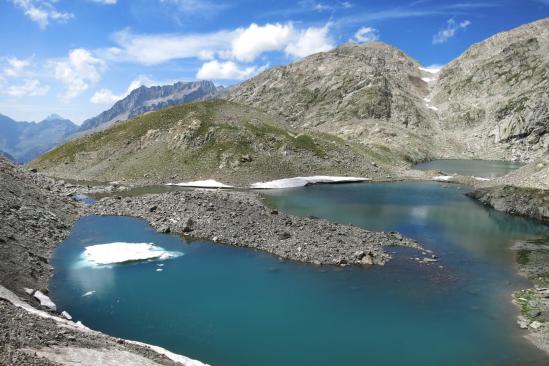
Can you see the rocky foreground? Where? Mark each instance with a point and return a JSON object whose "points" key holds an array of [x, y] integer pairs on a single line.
{"points": [[240, 219], [35, 216]]}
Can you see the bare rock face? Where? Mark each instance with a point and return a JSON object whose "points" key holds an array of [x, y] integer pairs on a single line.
{"points": [[496, 94], [369, 93]]}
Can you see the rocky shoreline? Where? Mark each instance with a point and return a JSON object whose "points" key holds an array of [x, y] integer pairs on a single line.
{"points": [[240, 219], [528, 202], [532, 261]]}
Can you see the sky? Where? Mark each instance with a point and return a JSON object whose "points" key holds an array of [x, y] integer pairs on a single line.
{"points": [[77, 57]]}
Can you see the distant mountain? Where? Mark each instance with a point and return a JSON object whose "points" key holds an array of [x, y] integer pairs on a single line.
{"points": [[24, 141], [6, 155], [147, 99]]}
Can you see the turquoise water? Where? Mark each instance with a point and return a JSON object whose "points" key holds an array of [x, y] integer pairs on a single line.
{"points": [[476, 168], [236, 307]]}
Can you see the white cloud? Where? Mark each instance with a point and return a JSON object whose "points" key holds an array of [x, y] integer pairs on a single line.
{"points": [[451, 28], [159, 48], [226, 70], [106, 96], [241, 44], [309, 41], [16, 66], [79, 70], [254, 40], [105, 2], [28, 88], [42, 11], [366, 34]]}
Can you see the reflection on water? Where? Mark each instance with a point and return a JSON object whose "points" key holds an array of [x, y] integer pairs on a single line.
{"points": [[237, 307]]}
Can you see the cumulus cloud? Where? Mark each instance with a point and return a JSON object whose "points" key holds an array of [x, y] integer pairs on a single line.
{"points": [[450, 31], [226, 70], [366, 34], [16, 66], [28, 88], [309, 41], [241, 44], [78, 71], [254, 40], [42, 12], [107, 96]]}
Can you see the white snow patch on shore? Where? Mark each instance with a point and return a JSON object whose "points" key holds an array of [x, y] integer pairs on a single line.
{"points": [[305, 181], [121, 252], [45, 301], [208, 183], [481, 179], [431, 107], [443, 178]]}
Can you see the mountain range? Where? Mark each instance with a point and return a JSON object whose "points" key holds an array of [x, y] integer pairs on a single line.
{"points": [[376, 106], [24, 141]]}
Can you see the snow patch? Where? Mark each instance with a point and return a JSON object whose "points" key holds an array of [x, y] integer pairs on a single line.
{"points": [[428, 80], [208, 183], [481, 179], [431, 107], [432, 69], [443, 178], [305, 181], [45, 301], [121, 252], [66, 315]]}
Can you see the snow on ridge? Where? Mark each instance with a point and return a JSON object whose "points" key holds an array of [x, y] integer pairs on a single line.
{"points": [[208, 183], [120, 252], [431, 70], [305, 181]]}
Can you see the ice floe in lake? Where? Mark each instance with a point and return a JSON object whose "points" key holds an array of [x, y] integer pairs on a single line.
{"points": [[121, 252], [208, 183], [89, 293], [305, 181]]}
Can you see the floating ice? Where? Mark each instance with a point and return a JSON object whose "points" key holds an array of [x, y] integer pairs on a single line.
{"points": [[305, 181], [89, 293], [208, 183], [121, 252]]}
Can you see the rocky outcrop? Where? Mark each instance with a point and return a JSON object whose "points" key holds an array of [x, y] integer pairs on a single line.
{"points": [[147, 99], [370, 93], [495, 96], [521, 201], [240, 219]]}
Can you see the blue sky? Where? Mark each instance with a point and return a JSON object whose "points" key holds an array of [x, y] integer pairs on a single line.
{"points": [[76, 57]]}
